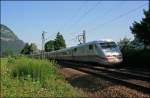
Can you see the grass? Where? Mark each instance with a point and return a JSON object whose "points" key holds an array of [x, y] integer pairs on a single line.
{"points": [[3, 61], [36, 69], [26, 77]]}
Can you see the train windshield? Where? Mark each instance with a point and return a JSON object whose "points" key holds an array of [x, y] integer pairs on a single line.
{"points": [[108, 45]]}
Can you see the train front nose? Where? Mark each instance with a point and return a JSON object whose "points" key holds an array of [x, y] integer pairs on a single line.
{"points": [[114, 59]]}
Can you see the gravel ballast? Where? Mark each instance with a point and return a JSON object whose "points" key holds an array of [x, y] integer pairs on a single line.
{"points": [[93, 86]]}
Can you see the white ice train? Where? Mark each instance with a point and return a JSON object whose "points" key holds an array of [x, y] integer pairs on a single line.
{"points": [[105, 52]]}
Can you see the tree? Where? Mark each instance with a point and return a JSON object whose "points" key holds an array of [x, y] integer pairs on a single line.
{"points": [[26, 49], [49, 46], [141, 30], [125, 44], [59, 42], [137, 44], [33, 48], [56, 44]]}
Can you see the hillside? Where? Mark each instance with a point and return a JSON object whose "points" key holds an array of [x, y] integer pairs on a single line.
{"points": [[9, 41]]}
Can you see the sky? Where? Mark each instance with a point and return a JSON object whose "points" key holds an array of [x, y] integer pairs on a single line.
{"points": [[100, 19]]}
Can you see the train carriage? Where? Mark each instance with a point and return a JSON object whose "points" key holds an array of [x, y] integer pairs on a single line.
{"points": [[104, 52]]}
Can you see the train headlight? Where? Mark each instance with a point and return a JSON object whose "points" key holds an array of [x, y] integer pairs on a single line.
{"points": [[109, 57]]}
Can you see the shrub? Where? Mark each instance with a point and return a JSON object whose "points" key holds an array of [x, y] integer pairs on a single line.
{"points": [[11, 60], [134, 53], [136, 57]]}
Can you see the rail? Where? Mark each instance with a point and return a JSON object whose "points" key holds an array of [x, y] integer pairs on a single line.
{"points": [[131, 80]]}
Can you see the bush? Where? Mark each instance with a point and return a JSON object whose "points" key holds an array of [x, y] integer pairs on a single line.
{"points": [[136, 57]]}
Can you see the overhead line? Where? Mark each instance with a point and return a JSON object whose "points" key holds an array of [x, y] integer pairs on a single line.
{"points": [[73, 15], [116, 18], [85, 14], [107, 12]]}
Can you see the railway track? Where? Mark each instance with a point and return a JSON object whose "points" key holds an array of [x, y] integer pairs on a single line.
{"points": [[136, 81], [129, 74]]}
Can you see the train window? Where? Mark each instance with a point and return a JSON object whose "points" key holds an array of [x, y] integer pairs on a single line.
{"points": [[75, 49], [95, 46], [90, 47], [107, 45], [69, 52], [65, 53]]}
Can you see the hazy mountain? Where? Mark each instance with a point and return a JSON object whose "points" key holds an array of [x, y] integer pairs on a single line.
{"points": [[9, 41]]}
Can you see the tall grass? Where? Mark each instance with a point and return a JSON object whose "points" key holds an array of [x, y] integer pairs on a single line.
{"points": [[36, 69], [27, 77]]}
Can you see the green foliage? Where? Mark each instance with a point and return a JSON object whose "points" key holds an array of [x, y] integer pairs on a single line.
{"points": [[11, 60], [59, 42], [36, 69], [141, 30], [33, 47], [28, 49], [49, 46], [125, 44], [25, 77], [138, 58], [56, 44], [133, 56], [3, 61]]}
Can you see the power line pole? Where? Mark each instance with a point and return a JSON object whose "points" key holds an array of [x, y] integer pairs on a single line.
{"points": [[82, 37], [43, 43]]}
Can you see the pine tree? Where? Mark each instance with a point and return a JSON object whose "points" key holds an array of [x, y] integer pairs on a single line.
{"points": [[141, 30]]}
